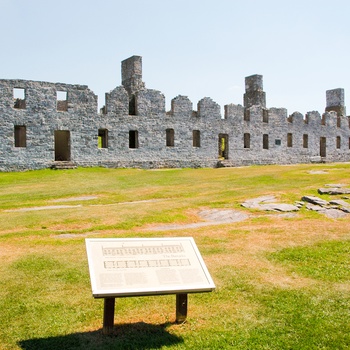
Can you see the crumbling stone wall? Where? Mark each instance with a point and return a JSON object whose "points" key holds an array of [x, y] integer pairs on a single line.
{"points": [[131, 130]]}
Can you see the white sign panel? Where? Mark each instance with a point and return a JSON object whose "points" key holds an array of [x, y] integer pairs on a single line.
{"points": [[146, 266]]}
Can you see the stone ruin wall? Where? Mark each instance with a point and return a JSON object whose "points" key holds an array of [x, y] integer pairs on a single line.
{"points": [[134, 129]]}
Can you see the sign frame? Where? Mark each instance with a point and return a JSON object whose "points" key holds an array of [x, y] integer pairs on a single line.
{"points": [[149, 259]]}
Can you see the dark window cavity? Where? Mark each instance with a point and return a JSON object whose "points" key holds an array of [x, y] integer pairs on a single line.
{"points": [[246, 140], [133, 139], [170, 137], [265, 141], [196, 138], [338, 142], [265, 113], [305, 141], [20, 136]]}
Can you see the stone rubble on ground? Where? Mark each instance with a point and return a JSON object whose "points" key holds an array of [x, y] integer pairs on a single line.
{"points": [[336, 208]]}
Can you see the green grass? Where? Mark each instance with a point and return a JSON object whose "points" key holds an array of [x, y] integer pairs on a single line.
{"points": [[281, 283], [326, 261]]}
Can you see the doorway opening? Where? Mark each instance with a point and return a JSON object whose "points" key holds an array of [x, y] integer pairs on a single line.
{"points": [[223, 146], [62, 145]]}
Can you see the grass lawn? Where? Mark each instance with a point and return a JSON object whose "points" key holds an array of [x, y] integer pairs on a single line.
{"points": [[281, 282]]}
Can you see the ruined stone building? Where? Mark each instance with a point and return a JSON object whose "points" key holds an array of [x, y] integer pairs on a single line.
{"points": [[43, 124]]}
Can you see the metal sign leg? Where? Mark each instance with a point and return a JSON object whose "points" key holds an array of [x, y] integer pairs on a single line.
{"points": [[181, 307], [108, 315]]}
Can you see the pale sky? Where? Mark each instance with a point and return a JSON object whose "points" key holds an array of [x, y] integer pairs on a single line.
{"points": [[196, 48]]}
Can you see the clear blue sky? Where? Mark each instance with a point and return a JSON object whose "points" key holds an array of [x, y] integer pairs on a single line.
{"points": [[196, 48]]}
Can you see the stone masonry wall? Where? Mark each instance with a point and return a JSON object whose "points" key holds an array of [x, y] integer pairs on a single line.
{"points": [[133, 129]]}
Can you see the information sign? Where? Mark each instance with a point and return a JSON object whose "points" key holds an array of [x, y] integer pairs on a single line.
{"points": [[146, 266]]}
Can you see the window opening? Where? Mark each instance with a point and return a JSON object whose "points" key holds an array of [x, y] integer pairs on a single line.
{"points": [[338, 142], [265, 141], [223, 146], [20, 136], [133, 139], [278, 142], [289, 140], [338, 121], [323, 147], [246, 140], [170, 137], [19, 97], [62, 101], [305, 141], [265, 113], [132, 106], [196, 138], [102, 138]]}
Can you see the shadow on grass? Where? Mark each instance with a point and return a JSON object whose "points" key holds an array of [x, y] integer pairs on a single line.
{"points": [[138, 336]]}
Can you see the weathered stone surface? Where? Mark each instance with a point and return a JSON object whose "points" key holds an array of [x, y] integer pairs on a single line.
{"points": [[131, 130], [315, 207], [267, 203], [222, 215], [256, 202], [334, 190], [339, 202], [315, 200], [335, 214], [334, 209], [285, 207]]}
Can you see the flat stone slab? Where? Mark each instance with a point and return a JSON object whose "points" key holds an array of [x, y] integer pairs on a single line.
{"points": [[74, 199], [334, 190], [279, 207], [314, 200], [267, 203], [315, 207], [48, 207], [340, 202], [211, 217], [335, 214], [255, 203], [222, 215], [335, 185]]}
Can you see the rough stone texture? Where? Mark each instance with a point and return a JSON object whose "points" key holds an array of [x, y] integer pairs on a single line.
{"points": [[334, 209], [267, 203], [335, 214], [334, 191], [134, 123], [315, 200]]}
